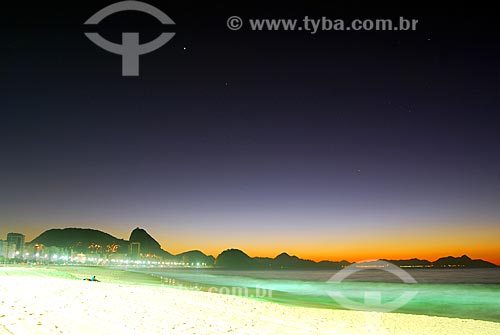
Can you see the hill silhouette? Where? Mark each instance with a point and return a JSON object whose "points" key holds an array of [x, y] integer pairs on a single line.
{"points": [[195, 257], [463, 261], [149, 246], [79, 240], [414, 262], [285, 261], [235, 259], [444, 262]]}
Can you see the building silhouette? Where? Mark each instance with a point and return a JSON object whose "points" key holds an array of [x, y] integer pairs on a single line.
{"points": [[17, 239], [7, 250], [134, 249]]}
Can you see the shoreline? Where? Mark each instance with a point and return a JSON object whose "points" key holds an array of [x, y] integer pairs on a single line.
{"points": [[473, 308], [47, 301]]}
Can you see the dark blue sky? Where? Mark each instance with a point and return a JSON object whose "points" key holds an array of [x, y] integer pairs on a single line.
{"points": [[267, 141]]}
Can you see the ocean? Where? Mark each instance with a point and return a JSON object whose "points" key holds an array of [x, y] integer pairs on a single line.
{"points": [[459, 293]]}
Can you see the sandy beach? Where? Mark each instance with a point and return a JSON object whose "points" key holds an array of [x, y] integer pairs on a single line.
{"points": [[38, 301]]}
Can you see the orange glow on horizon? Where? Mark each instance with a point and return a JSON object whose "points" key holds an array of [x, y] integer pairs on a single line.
{"points": [[417, 243]]}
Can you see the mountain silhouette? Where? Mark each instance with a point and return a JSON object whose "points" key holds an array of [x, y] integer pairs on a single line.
{"points": [[149, 246], [464, 261], [195, 257], [92, 240], [285, 261], [79, 239], [414, 262], [235, 259]]}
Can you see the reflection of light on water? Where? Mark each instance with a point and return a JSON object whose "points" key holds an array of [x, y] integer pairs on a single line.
{"points": [[168, 281], [179, 284], [439, 295], [371, 266]]}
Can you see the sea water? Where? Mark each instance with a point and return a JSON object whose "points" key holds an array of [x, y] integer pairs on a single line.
{"points": [[460, 293]]}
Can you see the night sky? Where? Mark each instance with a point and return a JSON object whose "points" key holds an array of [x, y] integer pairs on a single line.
{"points": [[334, 145]]}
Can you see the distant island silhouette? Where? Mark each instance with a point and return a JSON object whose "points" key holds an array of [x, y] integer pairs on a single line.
{"points": [[79, 240]]}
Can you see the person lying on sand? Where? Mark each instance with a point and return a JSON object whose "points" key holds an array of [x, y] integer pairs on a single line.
{"points": [[91, 279]]}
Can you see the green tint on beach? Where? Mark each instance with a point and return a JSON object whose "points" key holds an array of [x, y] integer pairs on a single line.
{"points": [[466, 301], [478, 301]]}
